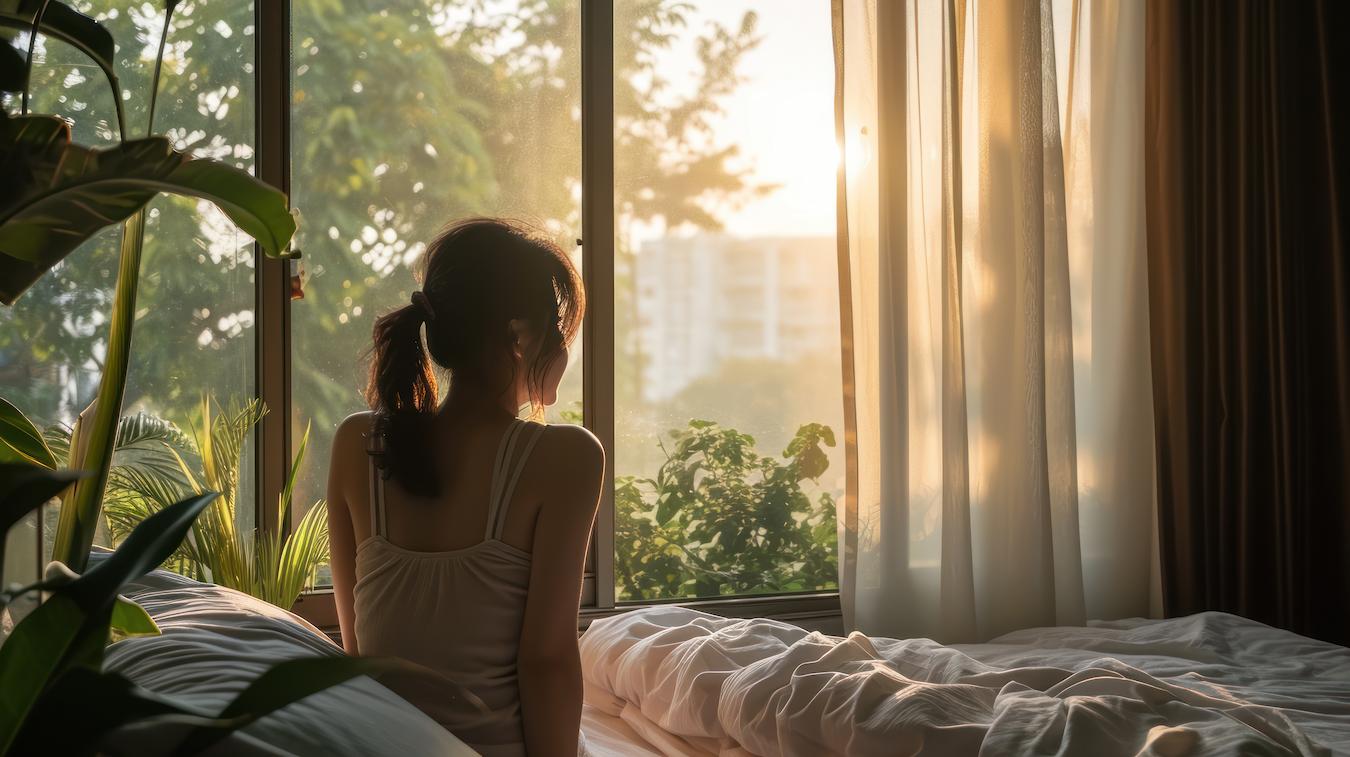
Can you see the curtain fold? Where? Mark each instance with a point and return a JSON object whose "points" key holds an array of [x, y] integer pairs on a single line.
{"points": [[1250, 288], [994, 295]]}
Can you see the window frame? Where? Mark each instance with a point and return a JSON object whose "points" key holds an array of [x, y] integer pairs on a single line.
{"points": [[273, 282]]}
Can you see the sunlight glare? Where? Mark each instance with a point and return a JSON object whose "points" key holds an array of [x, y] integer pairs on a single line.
{"points": [[857, 152]]}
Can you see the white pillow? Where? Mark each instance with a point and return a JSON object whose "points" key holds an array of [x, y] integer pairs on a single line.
{"points": [[217, 640]]}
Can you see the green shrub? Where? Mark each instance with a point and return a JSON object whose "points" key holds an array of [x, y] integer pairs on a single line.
{"points": [[720, 518]]}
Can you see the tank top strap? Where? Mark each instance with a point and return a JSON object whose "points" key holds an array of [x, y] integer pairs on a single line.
{"points": [[379, 523], [505, 450], [531, 433]]}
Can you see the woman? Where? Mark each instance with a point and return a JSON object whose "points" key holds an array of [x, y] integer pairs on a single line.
{"points": [[458, 531]]}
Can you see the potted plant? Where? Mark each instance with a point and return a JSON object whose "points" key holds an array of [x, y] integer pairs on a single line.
{"points": [[59, 194], [51, 662]]}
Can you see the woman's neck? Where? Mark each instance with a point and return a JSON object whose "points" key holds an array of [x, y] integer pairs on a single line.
{"points": [[468, 400]]}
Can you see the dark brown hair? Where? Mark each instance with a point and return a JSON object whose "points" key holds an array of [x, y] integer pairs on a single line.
{"points": [[478, 276]]}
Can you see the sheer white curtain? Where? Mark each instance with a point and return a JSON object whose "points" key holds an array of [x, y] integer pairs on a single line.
{"points": [[996, 338]]}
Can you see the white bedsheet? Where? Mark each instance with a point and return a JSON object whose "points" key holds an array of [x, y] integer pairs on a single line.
{"points": [[692, 684]]}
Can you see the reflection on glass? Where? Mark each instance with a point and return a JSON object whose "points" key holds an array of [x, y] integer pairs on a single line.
{"points": [[194, 332], [405, 119], [727, 371]]}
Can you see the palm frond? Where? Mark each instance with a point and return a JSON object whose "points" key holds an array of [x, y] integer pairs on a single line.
{"points": [[288, 492], [187, 472], [124, 511], [221, 437], [144, 429], [57, 437], [141, 431], [135, 495], [301, 555], [158, 463], [287, 568], [156, 485]]}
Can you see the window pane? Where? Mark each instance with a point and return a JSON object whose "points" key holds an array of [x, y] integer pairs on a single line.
{"points": [[194, 334], [406, 119], [727, 332]]}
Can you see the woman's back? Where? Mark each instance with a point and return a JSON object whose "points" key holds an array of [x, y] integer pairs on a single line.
{"points": [[455, 611], [458, 533]]}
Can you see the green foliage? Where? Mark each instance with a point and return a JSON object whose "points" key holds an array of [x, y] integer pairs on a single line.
{"points": [[20, 440], [11, 68], [719, 518], [153, 470], [64, 194], [58, 21], [24, 487], [61, 22], [56, 698], [70, 629]]}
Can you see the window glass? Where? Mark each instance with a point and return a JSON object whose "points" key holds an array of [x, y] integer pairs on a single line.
{"points": [[729, 454], [406, 118], [194, 334]]}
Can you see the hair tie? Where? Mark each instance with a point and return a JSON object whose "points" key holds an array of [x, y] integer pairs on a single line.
{"points": [[419, 300]]}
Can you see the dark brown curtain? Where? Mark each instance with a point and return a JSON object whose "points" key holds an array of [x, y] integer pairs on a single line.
{"points": [[1248, 137]]}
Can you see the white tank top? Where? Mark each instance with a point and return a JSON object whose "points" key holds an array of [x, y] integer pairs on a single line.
{"points": [[457, 612]]}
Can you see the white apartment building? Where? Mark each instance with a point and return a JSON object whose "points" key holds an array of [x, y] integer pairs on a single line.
{"points": [[708, 298]]}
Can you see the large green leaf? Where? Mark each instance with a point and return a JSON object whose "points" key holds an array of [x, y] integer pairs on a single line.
{"points": [[59, 194], [32, 656], [256, 207], [23, 487], [11, 68], [70, 629], [130, 619], [146, 547], [104, 701], [20, 440], [65, 24]]}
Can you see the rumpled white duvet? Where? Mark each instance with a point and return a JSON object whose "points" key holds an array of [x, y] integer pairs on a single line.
{"points": [[692, 683]]}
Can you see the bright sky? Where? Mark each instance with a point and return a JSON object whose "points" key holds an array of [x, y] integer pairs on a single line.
{"points": [[783, 114]]}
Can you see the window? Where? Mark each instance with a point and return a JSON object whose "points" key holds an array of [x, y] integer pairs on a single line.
{"points": [[403, 119], [727, 330], [698, 154]]}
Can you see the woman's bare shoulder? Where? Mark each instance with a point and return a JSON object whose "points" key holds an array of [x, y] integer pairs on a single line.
{"points": [[352, 433], [570, 454]]}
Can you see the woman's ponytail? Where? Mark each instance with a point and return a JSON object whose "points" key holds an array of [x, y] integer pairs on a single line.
{"points": [[402, 379], [402, 392]]}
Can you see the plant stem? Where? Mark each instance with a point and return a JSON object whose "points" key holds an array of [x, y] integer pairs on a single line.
{"points": [[159, 65], [28, 65], [79, 517], [117, 105]]}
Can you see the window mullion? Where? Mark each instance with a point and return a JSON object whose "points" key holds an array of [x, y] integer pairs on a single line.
{"points": [[597, 251], [272, 276]]}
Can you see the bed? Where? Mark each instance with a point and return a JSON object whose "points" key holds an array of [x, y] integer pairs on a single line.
{"points": [[1210, 683], [675, 681]]}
